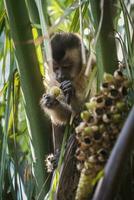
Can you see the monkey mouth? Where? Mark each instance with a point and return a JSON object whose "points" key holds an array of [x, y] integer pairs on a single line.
{"points": [[60, 80]]}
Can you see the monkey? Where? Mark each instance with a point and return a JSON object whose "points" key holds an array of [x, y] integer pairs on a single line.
{"points": [[68, 74]]}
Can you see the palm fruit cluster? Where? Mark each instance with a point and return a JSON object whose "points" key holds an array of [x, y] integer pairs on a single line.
{"points": [[101, 123]]}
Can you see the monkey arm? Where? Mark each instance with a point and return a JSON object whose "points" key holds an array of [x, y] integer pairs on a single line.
{"points": [[73, 97], [58, 111], [68, 90], [60, 114]]}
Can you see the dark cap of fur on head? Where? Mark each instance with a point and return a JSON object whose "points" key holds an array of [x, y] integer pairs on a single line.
{"points": [[60, 42]]}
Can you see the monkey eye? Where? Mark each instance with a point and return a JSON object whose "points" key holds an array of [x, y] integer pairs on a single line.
{"points": [[54, 62], [67, 65], [55, 67]]}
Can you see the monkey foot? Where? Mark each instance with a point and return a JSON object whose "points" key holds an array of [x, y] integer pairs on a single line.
{"points": [[51, 161]]}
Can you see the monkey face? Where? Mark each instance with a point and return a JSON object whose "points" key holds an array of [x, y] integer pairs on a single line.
{"points": [[68, 67], [66, 52]]}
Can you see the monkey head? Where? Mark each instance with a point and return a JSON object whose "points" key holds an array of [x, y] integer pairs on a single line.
{"points": [[66, 53]]}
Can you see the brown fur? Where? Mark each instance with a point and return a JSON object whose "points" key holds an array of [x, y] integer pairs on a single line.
{"points": [[60, 114]]}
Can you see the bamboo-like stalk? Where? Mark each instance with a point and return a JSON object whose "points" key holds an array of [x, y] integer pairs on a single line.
{"points": [[112, 178], [34, 15], [45, 12], [105, 46], [31, 83]]}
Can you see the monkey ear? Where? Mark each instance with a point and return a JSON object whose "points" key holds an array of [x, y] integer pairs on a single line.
{"points": [[87, 54], [78, 35]]}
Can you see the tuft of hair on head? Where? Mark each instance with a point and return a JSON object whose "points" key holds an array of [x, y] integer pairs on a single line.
{"points": [[60, 42]]}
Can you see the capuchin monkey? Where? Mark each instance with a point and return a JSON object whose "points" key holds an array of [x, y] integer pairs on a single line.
{"points": [[69, 75]]}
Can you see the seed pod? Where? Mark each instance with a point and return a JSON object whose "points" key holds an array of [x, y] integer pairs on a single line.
{"points": [[101, 128], [55, 91], [94, 128], [100, 101], [118, 75], [120, 105], [106, 118], [114, 109], [93, 99], [91, 105], [106, 136], [103, 153], [123, 91], [98, 112], [97, 136], [104, 87], [80, 155], [80, 166], [85, 115], [93, 120], [113, 94], [116, 118], [108, 78], [87, 130], [92, 159], [109, 101], [80, 128], [87, 140], [92, 149], [85, 145]]}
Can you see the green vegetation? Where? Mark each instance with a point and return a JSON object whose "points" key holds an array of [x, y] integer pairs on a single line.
{"points": [[107, 29]]}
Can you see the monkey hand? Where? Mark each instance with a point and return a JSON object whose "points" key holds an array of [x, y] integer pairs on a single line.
{"points": [[52, 161], [68, 89], [49, 101]]}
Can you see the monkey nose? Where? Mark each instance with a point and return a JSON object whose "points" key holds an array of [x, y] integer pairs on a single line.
{"points": [[61, 79]]}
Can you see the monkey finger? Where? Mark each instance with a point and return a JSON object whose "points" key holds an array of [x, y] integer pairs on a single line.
{"points": [[68, 87], [68, 98], [65, 84], [69, 90], [49, 101]]}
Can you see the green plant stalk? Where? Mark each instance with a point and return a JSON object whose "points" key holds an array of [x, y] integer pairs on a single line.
{"points": [[45, 12], [32, 87], [105, 47], [45, 33], [127, 23], [33, 12], [4, 140]]}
